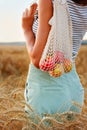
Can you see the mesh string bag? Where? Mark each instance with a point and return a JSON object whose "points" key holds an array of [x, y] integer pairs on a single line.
{"points": [[56, 58]]}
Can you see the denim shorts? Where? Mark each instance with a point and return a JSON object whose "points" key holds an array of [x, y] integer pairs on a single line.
{"points": [[48, 95]]}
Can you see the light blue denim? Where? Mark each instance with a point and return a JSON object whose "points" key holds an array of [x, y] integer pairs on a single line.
{"points": [[49, 95]]}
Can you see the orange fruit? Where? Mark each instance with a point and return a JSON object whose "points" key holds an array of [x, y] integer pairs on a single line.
{"points": [[57, 71], [67, 65]]}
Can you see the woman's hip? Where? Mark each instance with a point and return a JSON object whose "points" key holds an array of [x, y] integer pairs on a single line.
{"points": [[42, 80]]}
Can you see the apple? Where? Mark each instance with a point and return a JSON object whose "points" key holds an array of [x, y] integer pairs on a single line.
{"points": [[58, 70], [47, 64], [59, 57], [67, 65]]}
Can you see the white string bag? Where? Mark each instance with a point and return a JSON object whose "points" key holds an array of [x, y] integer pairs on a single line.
{"points": [[57, 54]]}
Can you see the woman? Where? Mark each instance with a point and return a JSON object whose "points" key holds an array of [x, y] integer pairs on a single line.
{"points": [[44, 93]]}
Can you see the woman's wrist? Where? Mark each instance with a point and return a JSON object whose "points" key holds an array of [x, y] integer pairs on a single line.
{"points": [[27, 30], [30, 39], [29, 36]]}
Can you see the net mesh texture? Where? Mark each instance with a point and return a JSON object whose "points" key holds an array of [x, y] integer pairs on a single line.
{"points": [[57, 55]]}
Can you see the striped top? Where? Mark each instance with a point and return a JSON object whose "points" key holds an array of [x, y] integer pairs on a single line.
{"points": [[79, 24]]}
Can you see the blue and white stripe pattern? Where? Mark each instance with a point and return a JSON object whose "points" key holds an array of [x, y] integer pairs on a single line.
{"points": [[79, 23]]}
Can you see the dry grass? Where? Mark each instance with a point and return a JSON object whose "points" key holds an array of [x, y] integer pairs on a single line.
{"points": [[14, 63]]}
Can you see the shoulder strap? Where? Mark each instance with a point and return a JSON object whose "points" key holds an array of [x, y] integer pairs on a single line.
{"points": [[62, 24]]}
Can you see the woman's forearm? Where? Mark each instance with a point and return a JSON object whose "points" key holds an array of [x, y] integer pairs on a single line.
{"points": [[30, 40]]}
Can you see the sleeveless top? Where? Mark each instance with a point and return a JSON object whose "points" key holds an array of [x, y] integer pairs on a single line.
{"points": [[79, 24]]}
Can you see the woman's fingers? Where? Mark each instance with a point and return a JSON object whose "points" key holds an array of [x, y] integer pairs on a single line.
{"points": [[25, 13], [28, 17], [32, 9]]}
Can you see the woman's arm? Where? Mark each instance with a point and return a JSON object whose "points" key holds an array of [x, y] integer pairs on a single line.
{"points": [[27, 23], [36, 45]]}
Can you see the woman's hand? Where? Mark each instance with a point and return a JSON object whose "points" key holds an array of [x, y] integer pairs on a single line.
{"points": [[28, 17]]}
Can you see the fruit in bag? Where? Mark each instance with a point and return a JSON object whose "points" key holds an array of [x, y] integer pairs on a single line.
{"points": [[57, 71], [58, 56], [67, 65], [47, 64]]}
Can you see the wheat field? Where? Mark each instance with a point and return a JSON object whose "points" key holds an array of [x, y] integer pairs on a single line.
{"points": [[14, 62]]}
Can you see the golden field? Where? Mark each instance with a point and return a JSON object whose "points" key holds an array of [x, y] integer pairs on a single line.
{"points": [[14, 62]]}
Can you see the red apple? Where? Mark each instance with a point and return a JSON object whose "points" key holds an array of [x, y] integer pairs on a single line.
{"points": [[48, 64], [58, 70], [67, 65]]}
